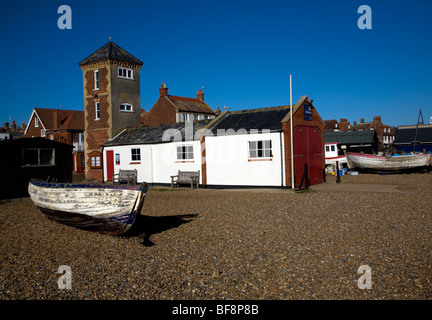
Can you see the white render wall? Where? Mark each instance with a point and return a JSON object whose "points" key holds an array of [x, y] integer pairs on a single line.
{"points": [[228, 163], [158, 161]]}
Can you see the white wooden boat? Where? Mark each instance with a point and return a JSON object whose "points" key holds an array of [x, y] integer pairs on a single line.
{"points": [[108, 209], [387, 162]]}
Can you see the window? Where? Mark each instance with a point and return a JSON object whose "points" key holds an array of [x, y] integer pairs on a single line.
{"points": [[136, 154], [185, 117], [97, 111], [38, 157], [125, 73], [36, 122], [43, 132], [260, 149], [126, 107], [185, 153], [96, 80], [95, 160]]}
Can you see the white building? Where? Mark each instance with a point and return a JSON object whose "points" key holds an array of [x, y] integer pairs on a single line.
{"points": [[240, 148]]}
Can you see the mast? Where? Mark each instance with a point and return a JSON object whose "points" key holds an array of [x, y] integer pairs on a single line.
{"points": [[291, 128], [418, 121]]}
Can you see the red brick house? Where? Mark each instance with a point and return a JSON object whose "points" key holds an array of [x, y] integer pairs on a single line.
{"points": [[60, 125], [170, 109]]}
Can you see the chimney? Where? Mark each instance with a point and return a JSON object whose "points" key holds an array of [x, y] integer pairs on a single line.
{"points": [[23, 125], [377, 118], [6, 125], [343, 120], [218, 110], [200, 95], [362, 120], [14, 126], [163, 90], [55, 120]]}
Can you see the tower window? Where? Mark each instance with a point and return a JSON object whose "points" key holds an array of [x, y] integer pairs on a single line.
{"points": [[97, 111], [125, 73], [96, 80], [126, 107]]}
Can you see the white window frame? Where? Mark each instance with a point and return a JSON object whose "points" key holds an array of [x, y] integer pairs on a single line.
{"points": [[43, 133], [135, 156], [260, 149], [96, 80], [185, 152], [125, 73], [36, 122], [126, 107], [97, 110]]}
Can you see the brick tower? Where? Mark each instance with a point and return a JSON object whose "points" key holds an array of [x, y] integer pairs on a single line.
{"points": [[111, 101]]}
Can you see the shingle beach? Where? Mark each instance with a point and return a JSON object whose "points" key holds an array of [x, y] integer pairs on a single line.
{"points": [[234, 244]]}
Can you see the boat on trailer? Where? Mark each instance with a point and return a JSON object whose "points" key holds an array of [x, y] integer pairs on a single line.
{"points": [[387, 163], [107, 209]]}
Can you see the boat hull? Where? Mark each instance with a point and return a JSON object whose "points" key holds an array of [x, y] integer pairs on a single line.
{"points": [[105, 209], [371, 162]]}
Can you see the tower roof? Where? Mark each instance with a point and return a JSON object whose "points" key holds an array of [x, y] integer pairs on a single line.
{"points": [[110, 51]]}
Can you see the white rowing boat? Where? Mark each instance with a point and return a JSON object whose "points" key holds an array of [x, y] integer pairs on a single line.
{"points": [[108, 209], [387, 162]]}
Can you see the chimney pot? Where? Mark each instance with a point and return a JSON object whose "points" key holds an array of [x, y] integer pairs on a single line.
{"points": [[163, 90], [362, 120], [6, 125], [200, 95]]}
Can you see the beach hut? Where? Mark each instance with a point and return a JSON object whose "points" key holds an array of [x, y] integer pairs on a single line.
{"points": [[26, 158]]}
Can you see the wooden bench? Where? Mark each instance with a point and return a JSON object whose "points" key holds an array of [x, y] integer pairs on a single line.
{"points": [[128, 176], [191, 177]]}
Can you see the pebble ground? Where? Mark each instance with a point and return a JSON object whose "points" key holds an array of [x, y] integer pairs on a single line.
{"points": [[220, 244]]}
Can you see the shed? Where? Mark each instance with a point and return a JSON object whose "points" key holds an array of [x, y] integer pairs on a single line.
{"points": [[405, 136], [354, 141], [27, 158]]}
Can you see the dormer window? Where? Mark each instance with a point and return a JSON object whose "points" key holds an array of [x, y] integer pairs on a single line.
{"points": [[125, 73]]}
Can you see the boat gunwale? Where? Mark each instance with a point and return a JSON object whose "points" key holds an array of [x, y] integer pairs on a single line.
{"points": [[58, 185]]}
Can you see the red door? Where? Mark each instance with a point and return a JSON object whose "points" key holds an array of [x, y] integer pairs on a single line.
{"points": [[307, 150], [110, 164]]}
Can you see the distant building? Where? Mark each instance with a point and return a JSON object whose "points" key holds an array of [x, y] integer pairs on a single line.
{"points": [[66, 126], [11, 132], [407, 141], [111, 84], [385, 133], [172, 109]]}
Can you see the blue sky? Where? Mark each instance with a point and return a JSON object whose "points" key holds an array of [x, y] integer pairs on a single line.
{"points": [[242, 52]]}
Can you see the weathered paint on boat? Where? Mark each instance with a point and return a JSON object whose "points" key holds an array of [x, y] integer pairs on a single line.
{"points": [[108, 209], [387, 163]]}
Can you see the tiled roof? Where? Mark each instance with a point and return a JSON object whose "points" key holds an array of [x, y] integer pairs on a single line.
{"points": [[258, 119], [350, 137], [68, 119], [111, 51], [407, 135], [190, 104], [153, 134]]}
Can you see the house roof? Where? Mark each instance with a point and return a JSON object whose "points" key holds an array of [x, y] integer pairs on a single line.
{"points": [[68, 119], [155, 134], [350, 137], [110, 51], [259, 119], [194, 105], [407, 135]]}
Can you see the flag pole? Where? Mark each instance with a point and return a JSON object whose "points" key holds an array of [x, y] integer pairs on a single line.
{"points": [[291, 125]]}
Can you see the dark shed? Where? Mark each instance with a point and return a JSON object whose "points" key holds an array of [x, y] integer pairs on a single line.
{"points": [[405, 136], [26, 158]]}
